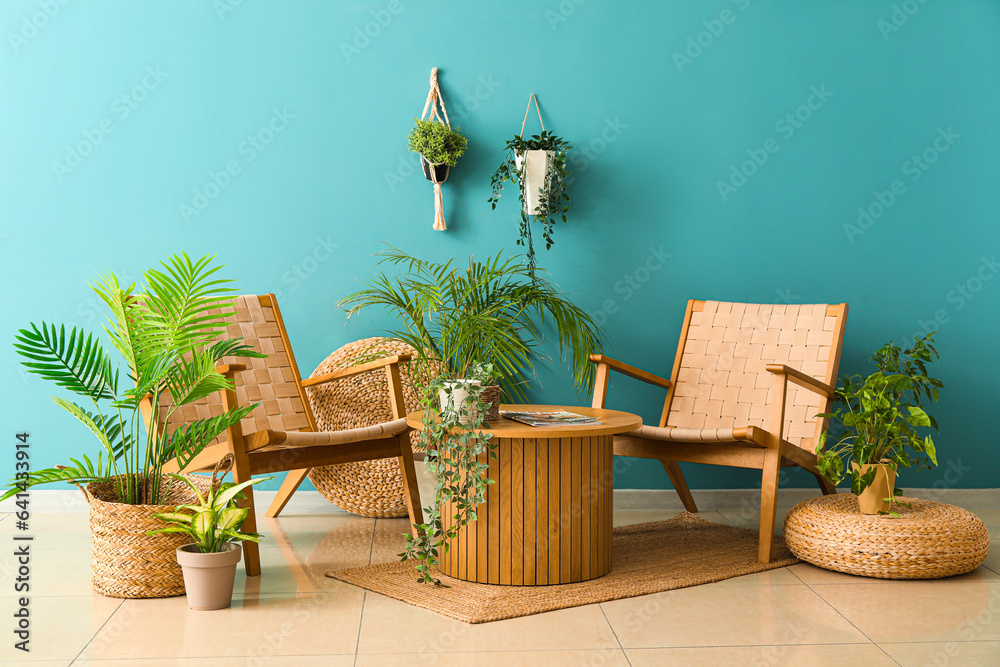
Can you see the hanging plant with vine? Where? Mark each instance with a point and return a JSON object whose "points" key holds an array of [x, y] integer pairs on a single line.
{"points": [[550, 201], [454, 441]]}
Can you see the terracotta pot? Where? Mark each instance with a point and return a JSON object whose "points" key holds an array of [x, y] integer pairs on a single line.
{"points": [[441, 171], [209, 578], [872, 499]]}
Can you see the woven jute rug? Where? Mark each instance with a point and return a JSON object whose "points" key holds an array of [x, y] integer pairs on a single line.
{"points": [[648, 558]]}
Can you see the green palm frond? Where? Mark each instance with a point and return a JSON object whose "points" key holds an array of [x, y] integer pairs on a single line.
{"points": [[78, 363], [81, 472]]}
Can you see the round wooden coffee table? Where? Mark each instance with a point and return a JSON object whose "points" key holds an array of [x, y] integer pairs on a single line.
{"points": [[547, 516]]}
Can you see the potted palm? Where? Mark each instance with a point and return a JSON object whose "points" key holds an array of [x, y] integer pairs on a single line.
{"points": [[213, 524], [884, 424], [171, 335], [472, 328]]}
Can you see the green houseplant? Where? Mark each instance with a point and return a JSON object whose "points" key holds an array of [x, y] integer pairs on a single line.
{"points": [[171, 335], [537, 166], [213, 525], [885, 426], [439, 146], [469, 326]]}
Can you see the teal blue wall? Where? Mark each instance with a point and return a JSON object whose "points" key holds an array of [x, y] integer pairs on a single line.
{"points": [[655, 135]]}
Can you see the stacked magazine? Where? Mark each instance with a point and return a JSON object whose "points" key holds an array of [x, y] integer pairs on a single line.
{"points": [[558, 418]]}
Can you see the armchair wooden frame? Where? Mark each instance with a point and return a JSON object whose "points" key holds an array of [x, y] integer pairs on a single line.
{"points": [[766, 448], [294, 445]]}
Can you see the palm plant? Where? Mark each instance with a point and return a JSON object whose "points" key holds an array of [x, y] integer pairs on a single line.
{"points": [[493, 312], [171, 336]]}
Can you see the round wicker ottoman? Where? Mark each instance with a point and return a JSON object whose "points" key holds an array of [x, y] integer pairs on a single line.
{"points": [[368, 488], [927, 541]]}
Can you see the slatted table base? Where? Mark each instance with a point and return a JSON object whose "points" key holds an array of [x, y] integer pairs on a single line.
{"points": [[546, 519]]}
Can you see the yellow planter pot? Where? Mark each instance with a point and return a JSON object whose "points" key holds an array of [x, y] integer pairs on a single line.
{"points": [[872, 499]]}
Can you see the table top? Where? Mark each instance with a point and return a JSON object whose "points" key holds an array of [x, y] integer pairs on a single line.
{"points": [[612, 421]]}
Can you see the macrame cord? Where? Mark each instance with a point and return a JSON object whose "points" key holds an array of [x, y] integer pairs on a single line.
{"points": [[434, 99]]}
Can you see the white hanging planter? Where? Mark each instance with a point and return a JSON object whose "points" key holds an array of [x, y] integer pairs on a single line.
{"points": [[536, 164]]}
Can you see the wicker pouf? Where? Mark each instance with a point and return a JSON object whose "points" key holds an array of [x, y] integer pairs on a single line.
{"points": [[927, 541], [368, 488], [125, 562]]}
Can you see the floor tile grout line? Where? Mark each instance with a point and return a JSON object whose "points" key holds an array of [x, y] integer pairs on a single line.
{"points": [[838, 612], [600, 605], [121, 603]]}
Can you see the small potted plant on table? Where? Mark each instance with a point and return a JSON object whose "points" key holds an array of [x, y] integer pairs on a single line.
{"points": [[214, 524], [883, 419]]}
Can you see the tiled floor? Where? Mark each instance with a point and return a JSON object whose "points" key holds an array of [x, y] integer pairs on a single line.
{"points": [[294, 616]]}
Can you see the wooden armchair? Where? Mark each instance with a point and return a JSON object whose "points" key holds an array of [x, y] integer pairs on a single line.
{"points": [[747, 384], [280, 435]]}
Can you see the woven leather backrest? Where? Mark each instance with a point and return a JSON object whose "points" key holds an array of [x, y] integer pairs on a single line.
{"points": [[272, 381], [720, 380]]}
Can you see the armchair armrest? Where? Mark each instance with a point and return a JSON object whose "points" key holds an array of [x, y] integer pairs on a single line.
{"points": [[630, 371], [354, 370], [802, 379], [230, 369]]}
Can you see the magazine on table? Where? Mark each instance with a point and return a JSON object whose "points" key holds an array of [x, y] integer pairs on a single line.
{"points": [[555, 418]]}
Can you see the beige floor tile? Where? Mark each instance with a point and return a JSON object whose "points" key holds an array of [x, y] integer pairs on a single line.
{"points": [[779, 577], [53, 531], [38, 663], [54, 572], [261, 661], [388, 540], [605, 658], [312, 624], [810, 574], [299, 569], [416, 630], [961, 611], [60, 627], [811, 655], [718, 615], [926, 654], [309, 530]]}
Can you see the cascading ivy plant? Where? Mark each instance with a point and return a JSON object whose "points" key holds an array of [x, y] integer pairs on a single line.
{"points": [[453, 457], [881, 415], [553, 199]]}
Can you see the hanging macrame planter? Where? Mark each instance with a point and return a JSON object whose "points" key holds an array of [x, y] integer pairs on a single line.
{"points": [[438, 144], [533, 166]]}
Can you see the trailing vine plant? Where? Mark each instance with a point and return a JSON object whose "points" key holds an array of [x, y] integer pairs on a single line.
{"points": [[553, 199], [454, 449]]}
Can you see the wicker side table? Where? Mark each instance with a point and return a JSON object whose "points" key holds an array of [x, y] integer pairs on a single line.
{"points": [[927, 541]]}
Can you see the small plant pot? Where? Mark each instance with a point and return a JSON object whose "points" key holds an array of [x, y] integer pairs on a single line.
{"points": [[441, 171], [457, 399], [209, 578], [491, 396], [536, 164], [872, 499]]}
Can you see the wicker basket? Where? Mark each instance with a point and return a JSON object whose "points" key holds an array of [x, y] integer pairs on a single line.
{"points": [[368, 488], [127, 563], [491, 395], [927, 540]]}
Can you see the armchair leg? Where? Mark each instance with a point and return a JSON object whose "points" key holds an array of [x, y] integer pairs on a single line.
{"points": [[288, 487], [411, 490], [680, 485], [251, 550], [768, 503], [825, 486]]}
